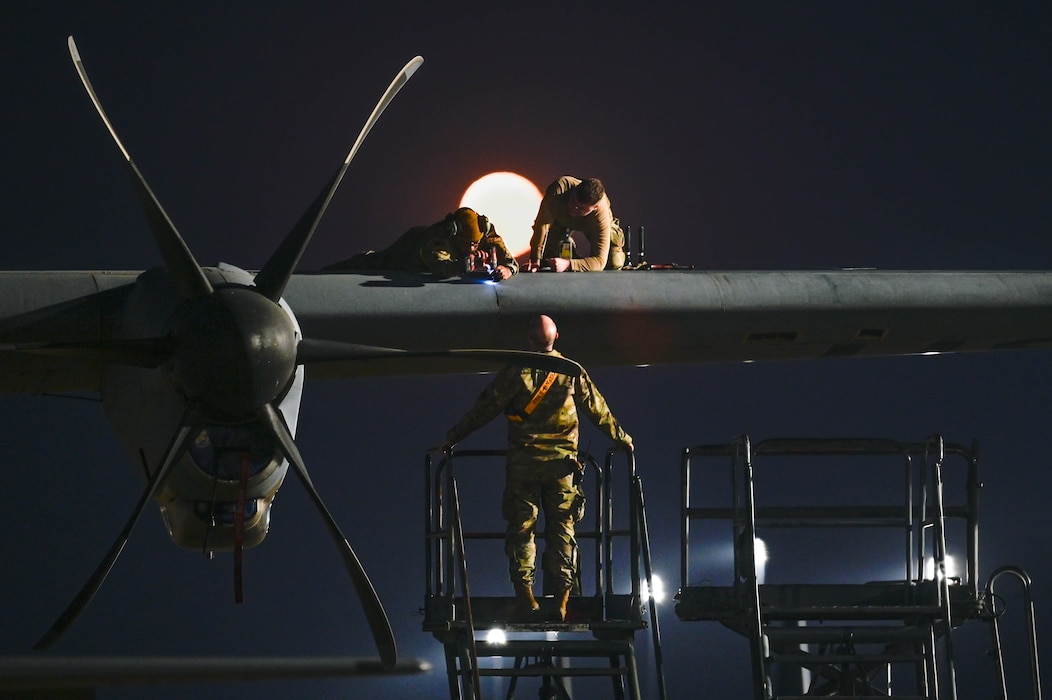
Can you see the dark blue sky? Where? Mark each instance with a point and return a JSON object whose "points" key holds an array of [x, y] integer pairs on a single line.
{"points": [[781, 135]]}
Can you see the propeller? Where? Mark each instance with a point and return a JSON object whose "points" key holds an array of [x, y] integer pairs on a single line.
{"points": [[187, 276], [191, 425], [312, 351], [374, 610], [232, 351], [149, 353], [275, 273]]}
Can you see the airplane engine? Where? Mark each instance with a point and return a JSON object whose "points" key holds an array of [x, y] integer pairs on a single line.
{"points": [[221, 491]]}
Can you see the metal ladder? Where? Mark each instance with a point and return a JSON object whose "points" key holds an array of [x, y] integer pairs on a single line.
{"points": [[843, 639], [598, 637]]}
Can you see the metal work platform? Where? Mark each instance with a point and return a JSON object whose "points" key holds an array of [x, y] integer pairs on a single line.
{"points": [[848, 620], [475, 617]]}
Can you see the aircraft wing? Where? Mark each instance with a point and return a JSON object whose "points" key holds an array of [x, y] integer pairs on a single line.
{"points": [[680, 316], [606, 319], [56, 306]]}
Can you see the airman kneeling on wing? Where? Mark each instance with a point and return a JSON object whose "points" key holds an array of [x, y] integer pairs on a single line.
{"points": [[572, 205]]}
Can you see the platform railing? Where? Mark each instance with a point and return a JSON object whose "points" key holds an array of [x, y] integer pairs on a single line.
{"points": [[611, 615], [920, 513], [995, 628]]}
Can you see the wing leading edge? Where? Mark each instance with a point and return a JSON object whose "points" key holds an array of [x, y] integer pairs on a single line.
{"points": [[608, 319]]}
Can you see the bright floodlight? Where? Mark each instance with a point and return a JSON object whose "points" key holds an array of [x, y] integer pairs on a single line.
{"points": [[659, 590], [948, 561], [496, 636], [760, 549]]}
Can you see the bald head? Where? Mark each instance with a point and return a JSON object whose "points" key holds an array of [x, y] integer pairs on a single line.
{"points": [[543, 333]]}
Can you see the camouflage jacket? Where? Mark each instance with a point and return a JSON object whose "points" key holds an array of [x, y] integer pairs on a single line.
{"points": [[426, 249], [552, 429]]}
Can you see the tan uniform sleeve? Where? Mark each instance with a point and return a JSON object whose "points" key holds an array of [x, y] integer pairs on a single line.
{"points": [[489, 404], [543, 222], [592, 403], [599, 230]]}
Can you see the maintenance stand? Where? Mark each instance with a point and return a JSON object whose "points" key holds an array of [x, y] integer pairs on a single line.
{"points": [[838, 637], [479, 629]]}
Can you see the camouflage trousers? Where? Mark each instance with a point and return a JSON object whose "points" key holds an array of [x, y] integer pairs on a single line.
{"points": [[529, 489]]}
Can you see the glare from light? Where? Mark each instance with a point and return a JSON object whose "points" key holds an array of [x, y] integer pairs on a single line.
{"points": [[496, 636], [948, 562], [659, 590], [510, 202], [760, 548], [760, 553]]}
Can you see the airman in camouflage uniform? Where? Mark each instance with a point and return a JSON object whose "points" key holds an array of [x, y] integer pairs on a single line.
{"points": [[440, 249], [541, 462]]}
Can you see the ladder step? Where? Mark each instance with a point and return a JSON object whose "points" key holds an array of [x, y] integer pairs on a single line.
{"points": [[811, 697], [845, 658], [558, 648], [833, 634], [853, 612], [529, 671]]}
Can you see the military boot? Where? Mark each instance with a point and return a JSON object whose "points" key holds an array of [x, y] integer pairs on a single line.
{"points": [[561, 599], [525, 603]]}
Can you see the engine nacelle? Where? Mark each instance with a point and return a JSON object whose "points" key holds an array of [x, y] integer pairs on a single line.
{"points": [[199, 498]]}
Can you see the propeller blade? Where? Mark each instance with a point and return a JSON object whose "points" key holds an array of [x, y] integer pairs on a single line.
{"points": [[148, 353], [374, 609], [186, 275], [312, 351], [188, 430], [275, 273]]}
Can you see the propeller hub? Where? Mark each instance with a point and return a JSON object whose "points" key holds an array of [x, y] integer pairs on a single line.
{"points": [[235, 351]]}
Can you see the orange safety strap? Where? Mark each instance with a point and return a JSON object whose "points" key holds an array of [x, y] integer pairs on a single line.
{"points": [[537, 397]]}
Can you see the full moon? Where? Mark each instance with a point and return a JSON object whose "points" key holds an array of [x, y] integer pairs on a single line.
{"points": [[510, 202]]}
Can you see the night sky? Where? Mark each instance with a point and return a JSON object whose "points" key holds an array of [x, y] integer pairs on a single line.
{"points": [[817, 135]]}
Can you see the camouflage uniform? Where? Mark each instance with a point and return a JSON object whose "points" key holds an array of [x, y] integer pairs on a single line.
{"points": [[424, 249], [541, 464]]}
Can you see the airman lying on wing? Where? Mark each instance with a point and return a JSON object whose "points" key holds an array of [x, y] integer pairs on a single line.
{"points": [[465, 242]]}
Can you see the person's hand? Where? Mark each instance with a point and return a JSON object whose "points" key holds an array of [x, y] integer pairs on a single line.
{"points": [[502, 272], [557, 264], [532, 266]]}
